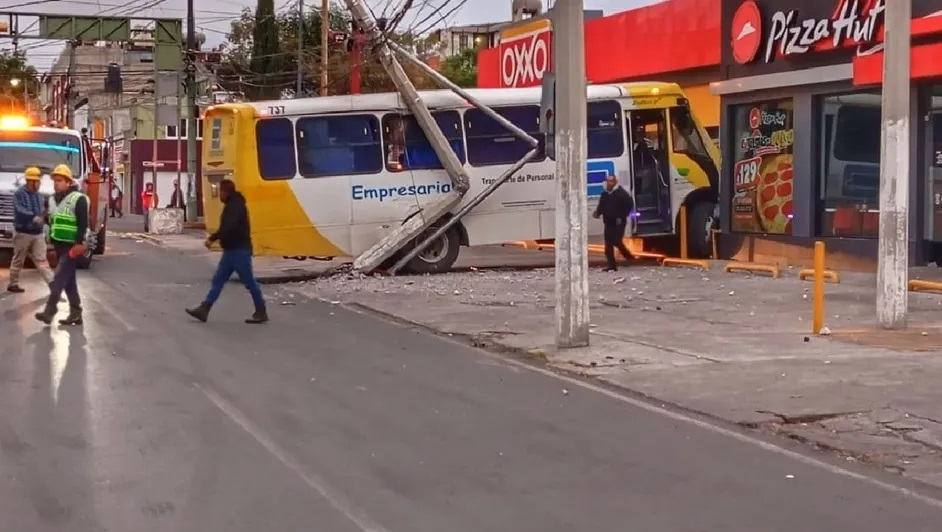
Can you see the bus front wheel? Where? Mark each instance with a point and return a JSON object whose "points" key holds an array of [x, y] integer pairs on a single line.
{"points": [[700, 224], [437, 257]]}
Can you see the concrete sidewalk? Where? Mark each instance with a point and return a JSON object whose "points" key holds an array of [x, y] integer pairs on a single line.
{"points": [[730, 346]]}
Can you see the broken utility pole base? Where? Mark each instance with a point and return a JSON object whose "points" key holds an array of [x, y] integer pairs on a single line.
{"points": [[410, 230]]}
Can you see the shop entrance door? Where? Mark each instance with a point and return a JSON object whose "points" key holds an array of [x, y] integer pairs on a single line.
{"points": [[650, 171], [934, 225]]}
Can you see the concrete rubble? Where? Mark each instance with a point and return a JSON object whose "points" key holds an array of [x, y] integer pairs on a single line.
{"points": [[732, 346]]}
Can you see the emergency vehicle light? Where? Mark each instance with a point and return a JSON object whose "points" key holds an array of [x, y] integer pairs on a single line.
{"points": [[13, 122], [40, 145]]}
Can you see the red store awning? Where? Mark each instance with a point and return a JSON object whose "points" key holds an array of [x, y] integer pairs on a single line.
{"points": [[926, 58]]}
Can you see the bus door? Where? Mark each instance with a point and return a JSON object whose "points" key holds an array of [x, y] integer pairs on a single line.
{"points": [[220, 157], [650, 170]]}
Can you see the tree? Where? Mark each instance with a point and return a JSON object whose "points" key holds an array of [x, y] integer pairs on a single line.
{"points": [[18, 79], [462, 68], [267, 56], [241, 48]]}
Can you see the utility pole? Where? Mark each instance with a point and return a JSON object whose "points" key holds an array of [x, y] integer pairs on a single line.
{"points": [[300, 81], [893, 250], [70, 86], [193, 112], [325, 43], [572, 260]]}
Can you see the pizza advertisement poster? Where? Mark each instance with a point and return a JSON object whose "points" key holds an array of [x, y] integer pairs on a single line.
{"points": [[762, 168]]}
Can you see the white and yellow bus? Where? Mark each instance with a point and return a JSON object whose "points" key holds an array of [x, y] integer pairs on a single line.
{"points": [[331, 176]]}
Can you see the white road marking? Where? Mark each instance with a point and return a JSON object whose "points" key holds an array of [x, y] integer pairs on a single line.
{"points": [[116, 316], [337, 501], [690, 420]]}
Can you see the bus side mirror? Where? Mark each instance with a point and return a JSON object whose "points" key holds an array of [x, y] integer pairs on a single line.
{"points": [[548, 114]]}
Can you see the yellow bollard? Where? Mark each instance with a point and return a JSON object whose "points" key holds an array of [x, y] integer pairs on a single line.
{"points": [[683, 232], [817, 307]]}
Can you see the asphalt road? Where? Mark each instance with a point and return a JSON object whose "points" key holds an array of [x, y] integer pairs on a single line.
{"points": [[329, 420]]}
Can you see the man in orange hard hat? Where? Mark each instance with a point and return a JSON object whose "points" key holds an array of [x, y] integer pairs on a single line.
{"points": [[68, 224], [28, 240]]}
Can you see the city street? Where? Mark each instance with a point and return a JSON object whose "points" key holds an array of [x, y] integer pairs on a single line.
{"points": [[331, 420]]}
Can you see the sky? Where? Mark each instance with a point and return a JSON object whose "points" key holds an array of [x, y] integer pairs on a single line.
{"points": [[213, 17]]}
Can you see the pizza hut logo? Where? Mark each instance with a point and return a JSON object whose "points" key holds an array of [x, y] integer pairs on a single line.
{"points": [[525, 58], [853, 23], [747, 32]]}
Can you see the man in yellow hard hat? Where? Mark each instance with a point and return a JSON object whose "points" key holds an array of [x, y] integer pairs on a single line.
{"points": [[28, 221], [68, 224]]}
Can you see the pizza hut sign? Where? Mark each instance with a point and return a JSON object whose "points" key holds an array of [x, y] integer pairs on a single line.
{"points": [[525, 57], [855, 22]]}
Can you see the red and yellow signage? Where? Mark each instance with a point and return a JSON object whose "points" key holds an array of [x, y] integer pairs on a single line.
{"points": [[525, 54]]}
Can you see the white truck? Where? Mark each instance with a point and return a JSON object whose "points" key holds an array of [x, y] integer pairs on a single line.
{"points": [[23, 146]]}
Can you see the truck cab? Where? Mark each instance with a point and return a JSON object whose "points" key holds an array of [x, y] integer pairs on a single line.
{"points": [[22, 146]]}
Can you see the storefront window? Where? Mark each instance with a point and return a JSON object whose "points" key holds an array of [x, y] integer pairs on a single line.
{"points": [[762, 167], [849, 159]]}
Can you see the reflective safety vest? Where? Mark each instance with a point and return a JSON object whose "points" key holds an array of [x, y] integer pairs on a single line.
{"points": [[63, 224]]}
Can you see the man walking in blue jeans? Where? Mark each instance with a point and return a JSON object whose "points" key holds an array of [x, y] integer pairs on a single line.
{"points": [[234, 236]]}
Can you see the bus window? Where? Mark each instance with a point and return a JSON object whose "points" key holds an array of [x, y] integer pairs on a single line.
{"points": [[858, 134], [605, 135], [274, 139], [339, 145], [490, 143], [407, 147], [684, 134]]}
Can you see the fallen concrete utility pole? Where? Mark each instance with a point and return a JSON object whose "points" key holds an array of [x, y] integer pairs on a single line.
{"points": [[474, 202], [434, 211]]}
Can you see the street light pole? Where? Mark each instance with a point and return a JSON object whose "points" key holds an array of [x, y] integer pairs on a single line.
{"points": [[572, 261], [193, 113], [893, 249]]}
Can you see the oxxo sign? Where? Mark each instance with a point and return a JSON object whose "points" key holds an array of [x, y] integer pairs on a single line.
{"points": [[853, 23], [525, 54]]}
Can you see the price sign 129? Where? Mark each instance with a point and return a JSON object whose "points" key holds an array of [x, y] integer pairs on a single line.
{"points": [[745, 173]]}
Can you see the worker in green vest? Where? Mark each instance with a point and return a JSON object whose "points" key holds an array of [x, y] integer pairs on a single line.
{"points": [[68, 224]]}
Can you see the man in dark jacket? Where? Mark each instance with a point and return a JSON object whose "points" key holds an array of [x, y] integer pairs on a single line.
{"points": [[68, 224], [234, 236], [615, 207]]}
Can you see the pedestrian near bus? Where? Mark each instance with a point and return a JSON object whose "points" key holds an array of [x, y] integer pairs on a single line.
{"points": [[28, 238], [615, 208], [68, 224], [234, 236]]}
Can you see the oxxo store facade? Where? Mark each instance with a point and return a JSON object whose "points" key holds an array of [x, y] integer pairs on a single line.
{"points": [[801, 125], [672, 41]]}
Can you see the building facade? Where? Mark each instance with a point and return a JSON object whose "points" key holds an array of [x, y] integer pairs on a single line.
{"points": [[454, 40], [801, 129]]}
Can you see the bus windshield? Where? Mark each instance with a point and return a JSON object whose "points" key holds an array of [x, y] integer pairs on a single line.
{"points": [[20, 149]]}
